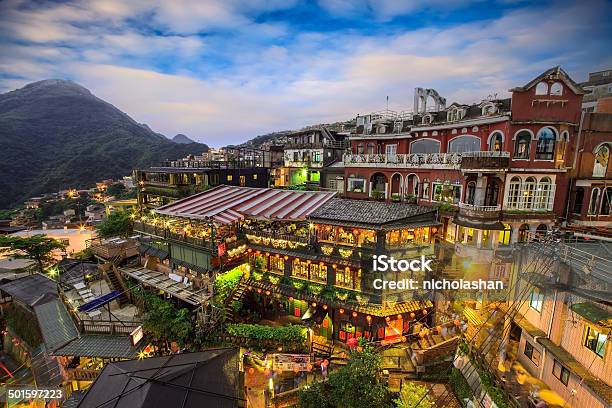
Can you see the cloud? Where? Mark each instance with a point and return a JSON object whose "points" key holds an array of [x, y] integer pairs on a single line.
{"points": [[225, 71]]}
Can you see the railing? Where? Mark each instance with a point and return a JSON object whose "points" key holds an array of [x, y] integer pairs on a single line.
{"points": [[274, 235], [482, 208], [486, 154], [317, 145], [102, 327], [303, 163], [485, 160], [413, 160], [82, 374], [165, 233]]}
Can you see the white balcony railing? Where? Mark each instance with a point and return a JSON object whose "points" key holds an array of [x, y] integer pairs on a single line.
{"points": [[481, 208], [413, 160], [486, 154]]}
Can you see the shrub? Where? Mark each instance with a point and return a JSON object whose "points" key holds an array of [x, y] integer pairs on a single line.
{"points": [[460, 386], [260, 336], [225, 284]]}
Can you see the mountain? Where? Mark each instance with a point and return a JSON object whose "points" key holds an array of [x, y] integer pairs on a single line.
{"points": [[182, 139], [56, 134]]}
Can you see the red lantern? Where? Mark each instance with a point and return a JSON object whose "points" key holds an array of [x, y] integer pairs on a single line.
{"points": [[424, 311], [399, 316], [251, 370], [268, 292], [354, 314], [388, 319], [369, 318], [341, 311], [324, 307], [258, 290], [291, 298], [412, 315], [457, 322], [314, 304]]}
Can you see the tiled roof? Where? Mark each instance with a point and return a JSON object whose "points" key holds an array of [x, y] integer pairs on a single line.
{"points": [[370, 213], [55, 324], [102, 346], [31, 289]]}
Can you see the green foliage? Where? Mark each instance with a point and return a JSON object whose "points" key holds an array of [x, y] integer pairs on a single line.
{"points": [[258, 335], [413, 395], [78, 204], [165, 322], [117, 223], [38, 247], [460, 385], [24, 325], [378, 195], [236, 306], [446, 207], [115, 189], [225, 284], [497, 394], [355, 385], [7, 214]]}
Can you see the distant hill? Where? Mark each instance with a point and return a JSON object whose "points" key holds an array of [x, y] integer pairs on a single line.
{"points": [[56, 134], [181, 138]]}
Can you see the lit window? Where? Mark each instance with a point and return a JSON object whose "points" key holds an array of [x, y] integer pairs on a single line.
{"points": [[532, 353], [356, 185], [505, 235], [560, 372], [595, 341], [521, 146], [449, 193], [496, 142], [254, 176], [536, 300], [230, 177]]}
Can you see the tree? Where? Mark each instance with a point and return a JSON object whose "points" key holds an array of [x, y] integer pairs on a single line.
{"points": [[118, 223], [115, 190], [164, 322], [413, 394], [357, 384], [37, 247]]}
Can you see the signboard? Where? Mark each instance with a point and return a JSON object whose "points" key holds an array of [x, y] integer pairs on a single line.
{"points": [[291, 362], [221, 249], [136, 335]]}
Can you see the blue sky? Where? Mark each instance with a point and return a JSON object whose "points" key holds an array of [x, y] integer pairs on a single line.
{"points": [[223, 71]]}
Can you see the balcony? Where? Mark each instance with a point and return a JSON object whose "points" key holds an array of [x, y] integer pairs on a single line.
{"points": [[450, 161], [491, 212], [303, 163], [82, 374], [485, 160]]}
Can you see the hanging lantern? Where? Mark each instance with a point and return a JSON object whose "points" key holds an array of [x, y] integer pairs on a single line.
{"points": [[412, 315], [280, 348], [334, 266], [324, 307], [286, 257], [425, 311], [399, 316], [250, 288], [258, 290], [354, 314], [267, 254], [314, 304], [251, 370], [291, 298], [341, 311], [296, 370], [309, 367], [456, 322], [268, 292], [369, 318]]}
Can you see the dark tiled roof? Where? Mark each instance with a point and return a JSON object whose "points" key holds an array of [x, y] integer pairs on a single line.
{"points": [[209, 378], [369, 213], [55, 324], [30, 289], [102, 346]]}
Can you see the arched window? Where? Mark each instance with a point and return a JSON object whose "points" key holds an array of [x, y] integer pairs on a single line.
{"points": [[496, 142], [371, 148], [562, 146], [427, 119], [602, 157], [488, 109], [521, 145], [425, 146], [546, 144], [470, 194], [360, 148], [513, 192], [544, 196], [524, 233], [463, 144], [541, 230], [606, 201], [594, 201], [542, 89], [578, 199], [528, 193], [412, 185], [556, 89]]}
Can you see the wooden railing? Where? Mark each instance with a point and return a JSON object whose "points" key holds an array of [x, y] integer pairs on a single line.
{"points": [[82, 374]]}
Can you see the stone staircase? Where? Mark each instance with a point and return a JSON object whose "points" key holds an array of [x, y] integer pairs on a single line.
{"points": [[237, 295]]}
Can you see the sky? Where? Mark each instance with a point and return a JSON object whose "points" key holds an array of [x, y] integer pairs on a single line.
{"points": [[224, 71]]}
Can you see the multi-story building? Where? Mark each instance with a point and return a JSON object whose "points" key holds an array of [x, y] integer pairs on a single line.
{"points": [[176, 179], [313, 159], [598, 86], [310, 255]]}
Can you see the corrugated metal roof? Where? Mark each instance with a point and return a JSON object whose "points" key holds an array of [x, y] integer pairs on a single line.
{"points": [[55, 324], [227, 204]]}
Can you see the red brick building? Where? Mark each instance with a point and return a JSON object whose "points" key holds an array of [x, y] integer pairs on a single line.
{"points": [[498, 170]]}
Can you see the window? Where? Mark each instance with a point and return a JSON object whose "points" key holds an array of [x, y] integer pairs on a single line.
{"points": [[300, 269], [543, 194], [426, 119], [513, 193], [230, 177], [464, 144], [542, 89], [425, 146], [449, 193], [254, 176], [562, 146], [545, 147], [532, 353], [560, 372], [425, 192], [528, 191], [521, 146], [371, 148], [488, 109], [496, 142], [606, 201], [348, 278], [356, 185], [602, 156], [505, 235], [578, 199], [391, 150], [595, 341], [556, 89], [242, 181], [296, 156], [316, 156], [536, 299], [471, 192], [360, 148], [451, 230], [277, 264], [318, 273], [594, 200], [412, 185]]}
